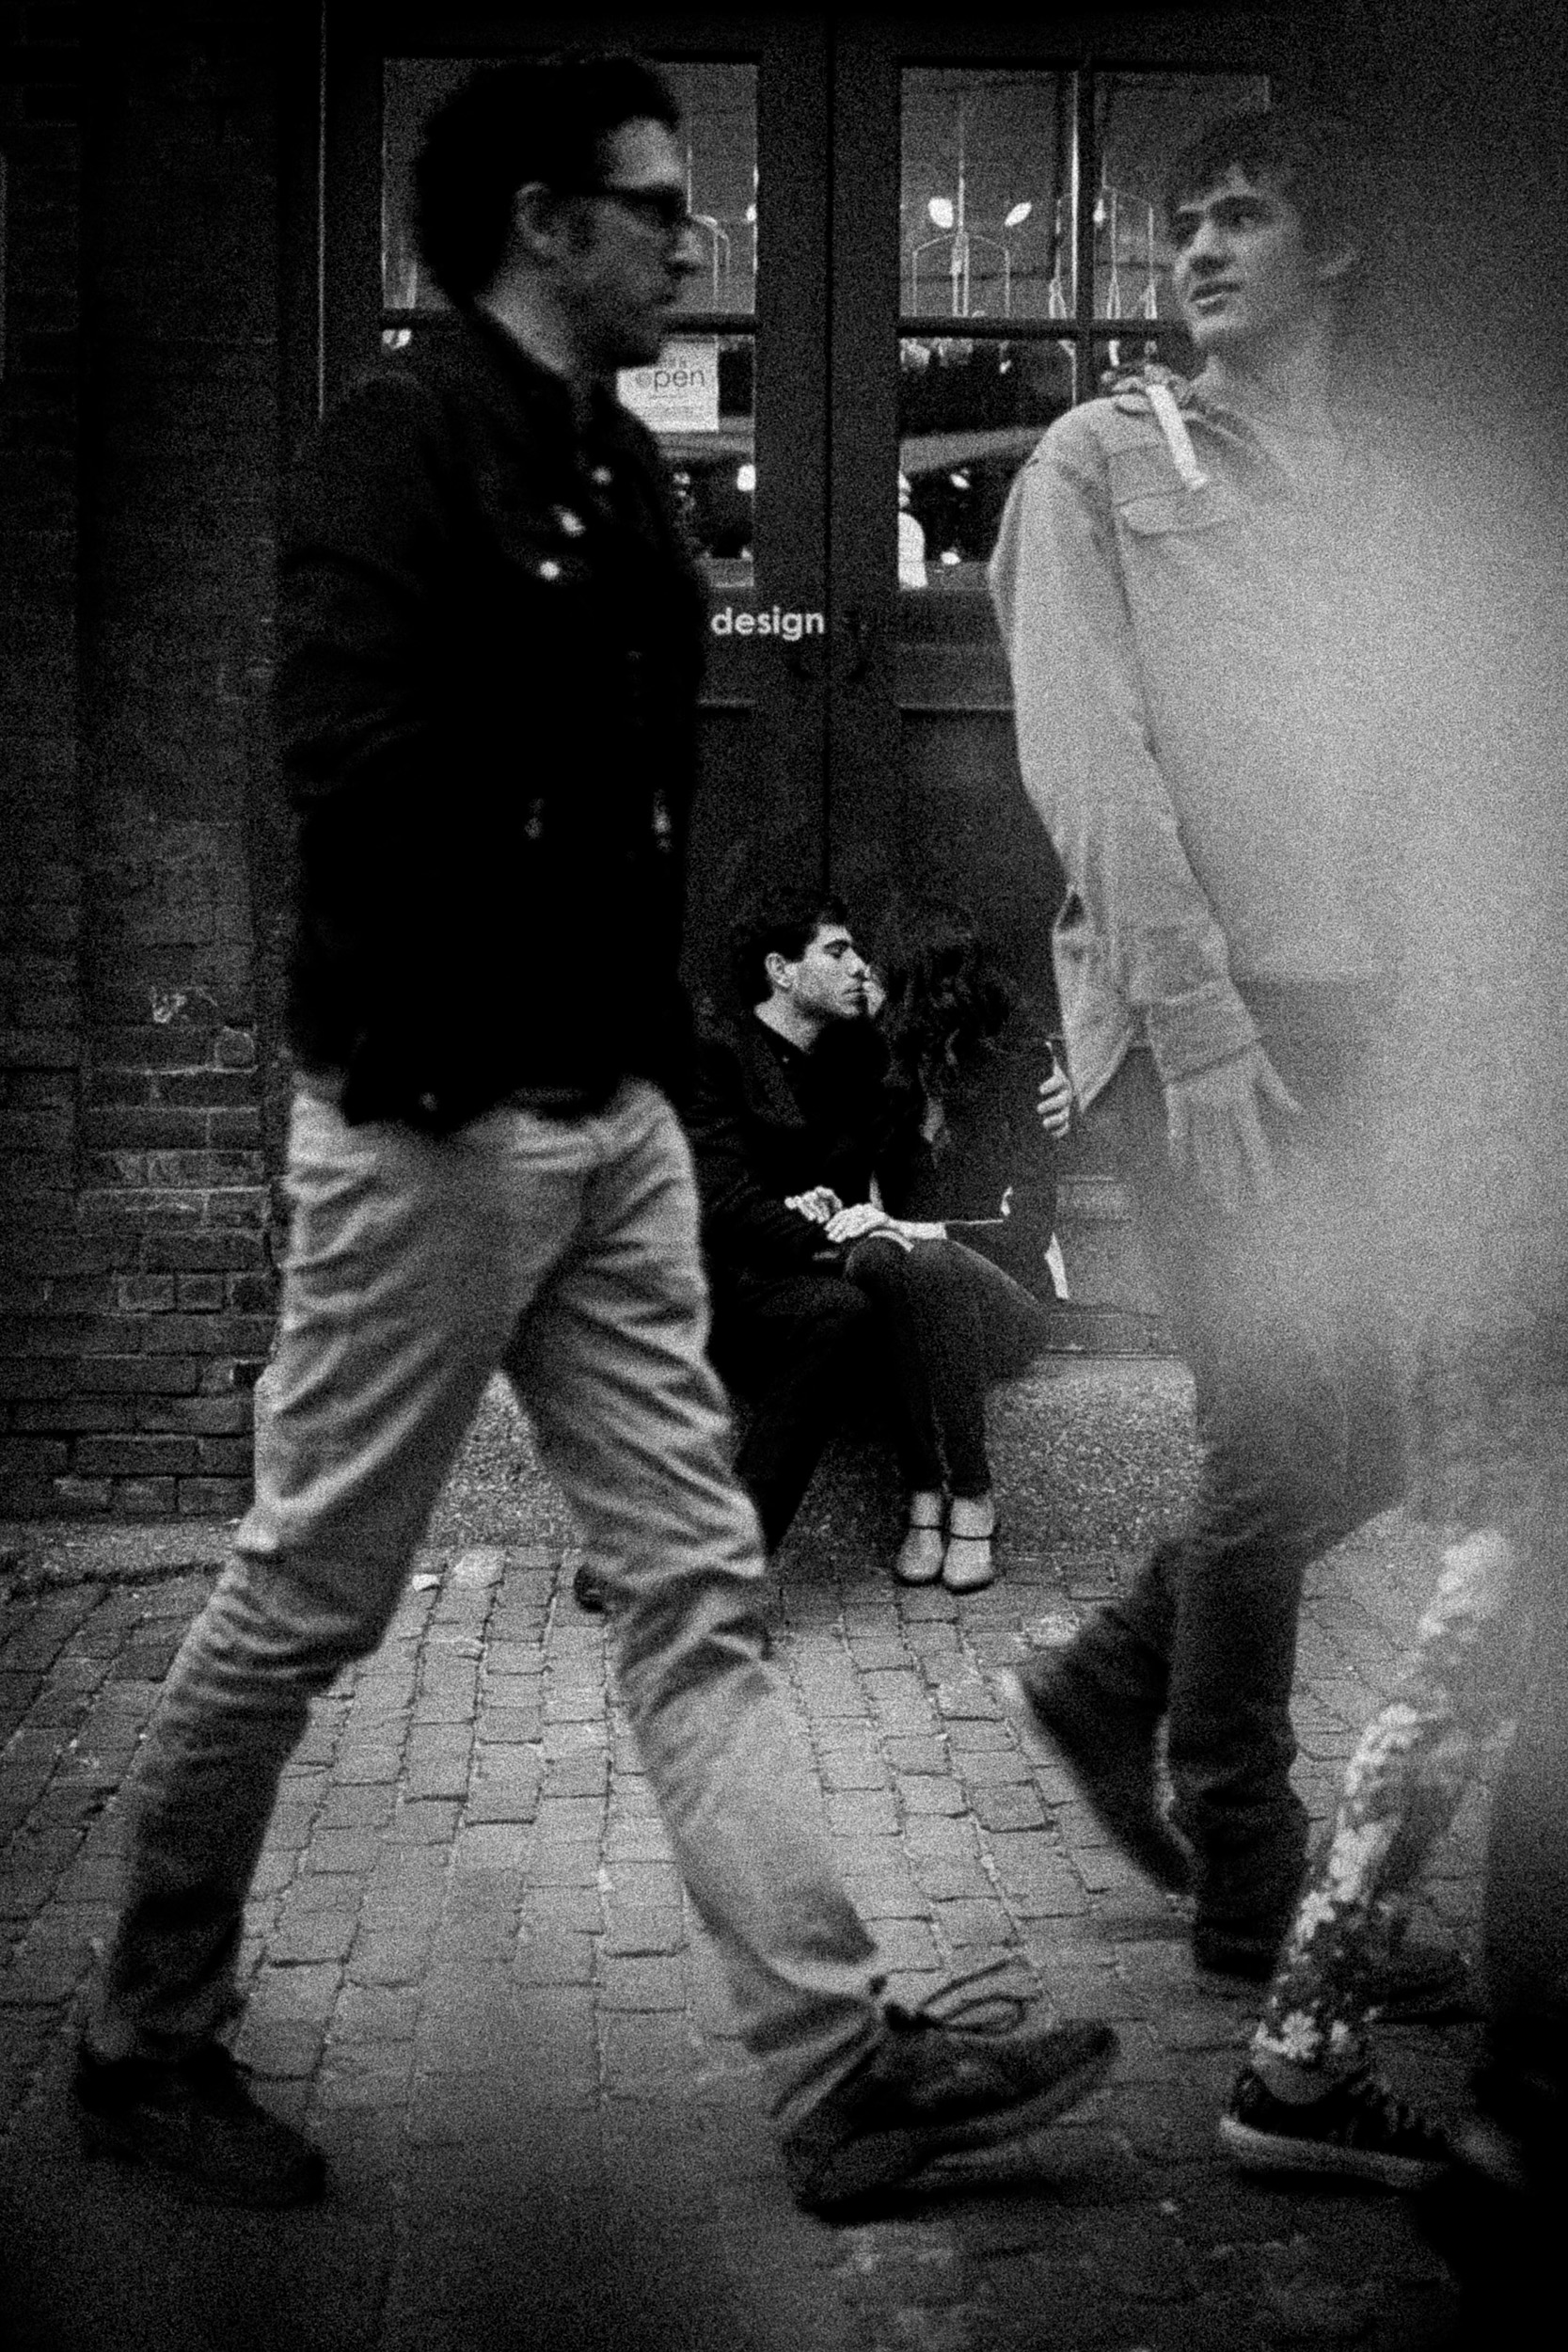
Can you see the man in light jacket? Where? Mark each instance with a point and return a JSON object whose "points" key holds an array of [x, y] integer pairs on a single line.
{"points": [[1199, 590]]}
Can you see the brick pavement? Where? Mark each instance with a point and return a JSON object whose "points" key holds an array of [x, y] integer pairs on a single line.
{"points": [[474, 1975]]}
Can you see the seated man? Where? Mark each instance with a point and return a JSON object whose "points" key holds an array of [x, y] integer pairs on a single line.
{"points": [[789, 1108]]}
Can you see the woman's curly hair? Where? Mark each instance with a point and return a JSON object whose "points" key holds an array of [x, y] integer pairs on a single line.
{"points": [[948, 1002]]}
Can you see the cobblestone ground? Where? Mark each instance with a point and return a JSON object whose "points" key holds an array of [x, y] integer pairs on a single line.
{"points": [[474, 1977]]}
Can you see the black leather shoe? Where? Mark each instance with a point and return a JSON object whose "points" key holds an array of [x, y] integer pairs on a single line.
{"points": [[1107, 1743], [588, 1590], [196, 2122]]}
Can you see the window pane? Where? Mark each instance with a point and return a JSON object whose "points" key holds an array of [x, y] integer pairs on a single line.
{"points": [[411, 88], [719, 133], [711, 447], [986, 227], [719, 139], [1143, 121], [970, 413]]}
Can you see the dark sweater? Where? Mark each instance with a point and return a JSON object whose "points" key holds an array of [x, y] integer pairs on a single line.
{"points": [[767, 1120]]}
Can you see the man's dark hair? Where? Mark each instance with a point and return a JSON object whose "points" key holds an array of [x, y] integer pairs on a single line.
{"points": [[783, 924], [537, 118], [1316, 161]]}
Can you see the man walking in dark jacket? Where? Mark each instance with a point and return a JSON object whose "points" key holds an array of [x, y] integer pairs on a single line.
{"points": [[491, 637]]}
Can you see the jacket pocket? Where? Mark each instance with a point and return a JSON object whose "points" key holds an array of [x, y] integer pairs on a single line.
{"points": [[1152, 514]]}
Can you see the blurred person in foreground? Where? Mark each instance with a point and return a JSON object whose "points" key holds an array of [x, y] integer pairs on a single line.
{"points": [[491, 645], [1200, 592]]}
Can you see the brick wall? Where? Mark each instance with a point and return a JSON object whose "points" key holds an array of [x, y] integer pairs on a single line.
{"points": [[43, 1277], [138, 1290]]}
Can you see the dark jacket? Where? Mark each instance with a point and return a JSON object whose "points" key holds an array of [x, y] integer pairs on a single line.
{"points": [[991, 1148], [492, 637], [767, 1120]]}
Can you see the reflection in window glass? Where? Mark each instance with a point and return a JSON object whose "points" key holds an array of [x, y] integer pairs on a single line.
{"points": [[1115, 356], [719, 139], [412, 88], [970, 413], [985, 223], [1142, 122], [715, 468], [719, 133]]}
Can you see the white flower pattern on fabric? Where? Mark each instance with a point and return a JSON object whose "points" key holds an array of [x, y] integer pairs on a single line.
{"points": [[1401, 1788], [1351, 1857], [1316, 1910], [1297, 2036]]}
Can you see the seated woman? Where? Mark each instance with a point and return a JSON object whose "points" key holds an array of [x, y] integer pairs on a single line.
{"points": [[955, 1255]]}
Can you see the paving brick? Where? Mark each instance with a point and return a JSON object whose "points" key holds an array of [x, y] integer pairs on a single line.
{"points": [[375, 2013], [368, 1764], [387, 1956], [858, 1767], [916, 1754], [927, 1793], [562, 1906], [644, 1981], [494, 1845], [558, 1956], [355, 1808], [308, 1937], [630, 1929], [566, 1866], [422, 1821], [1009, 1807], [862, 1813]]}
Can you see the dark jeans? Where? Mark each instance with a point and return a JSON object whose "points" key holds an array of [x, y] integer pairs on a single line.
{"points": [[794, 1352], [953, 1322], [1279, 1313]]}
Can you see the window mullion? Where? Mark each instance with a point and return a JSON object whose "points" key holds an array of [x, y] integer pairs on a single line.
{"points": [[1086, 181]]}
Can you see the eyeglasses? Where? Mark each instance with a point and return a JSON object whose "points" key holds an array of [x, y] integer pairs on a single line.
{"points": [[662, 210]]}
